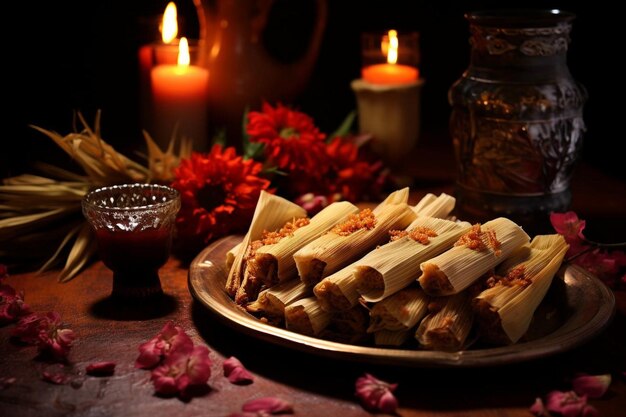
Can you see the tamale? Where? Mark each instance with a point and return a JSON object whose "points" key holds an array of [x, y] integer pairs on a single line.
{"points": [[271, 302], [347, 326], [505, 311], [269, 259], [278, 257], [401, 311], [435, 206], [306, 316], [337, 292], [395, 265], [391, 337], [476, 252], [348, 241], [447, 329], [271, 212], [256, 273]]}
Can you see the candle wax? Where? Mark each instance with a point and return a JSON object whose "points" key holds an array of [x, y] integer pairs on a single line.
{"points": [[180, 98], [390, 74]]}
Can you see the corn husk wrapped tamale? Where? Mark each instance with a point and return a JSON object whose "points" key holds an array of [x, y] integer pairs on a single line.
{"points": [[307, 317], [338, 291], [271, 302], [348, 326], [396, 265], [391, 337], [274, 263], [447, 328], [435, 206], [348, 241], [504, 311], [476, 252], [271, 213], [232, 254], [400, 311], [256, 274], [269, 260]]}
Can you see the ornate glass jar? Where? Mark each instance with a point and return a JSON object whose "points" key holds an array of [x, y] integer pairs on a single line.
{"points": [[516, 121]]}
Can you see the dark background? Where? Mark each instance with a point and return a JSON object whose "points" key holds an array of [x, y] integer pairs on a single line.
{"points": [[70, 55]]}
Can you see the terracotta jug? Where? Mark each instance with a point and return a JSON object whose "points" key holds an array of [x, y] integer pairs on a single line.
{"points": [[244, 68]]}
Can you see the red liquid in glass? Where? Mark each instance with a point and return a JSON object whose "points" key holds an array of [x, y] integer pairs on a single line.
{"points": [[135, 258]]}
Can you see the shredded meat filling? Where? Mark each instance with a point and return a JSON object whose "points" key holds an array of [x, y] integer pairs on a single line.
{"points": [[419, 234], [516, 276], [365, 219], [271, 238], [478, 240]]}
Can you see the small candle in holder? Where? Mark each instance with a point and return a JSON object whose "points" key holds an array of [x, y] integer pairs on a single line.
{"points": [[388, 94], [180, 100], [390, 72]]}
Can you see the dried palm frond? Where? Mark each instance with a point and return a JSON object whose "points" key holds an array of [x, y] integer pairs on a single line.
{"points": [[39, 212]]}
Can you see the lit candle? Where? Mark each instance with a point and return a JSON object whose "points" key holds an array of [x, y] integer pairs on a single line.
{"points": [[391, 72], [155, 53], [180, 95]]}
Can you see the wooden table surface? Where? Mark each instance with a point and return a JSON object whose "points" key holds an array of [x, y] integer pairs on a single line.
{"points": [[317, 386]]}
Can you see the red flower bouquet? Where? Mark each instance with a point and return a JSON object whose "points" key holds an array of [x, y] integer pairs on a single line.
{"points": [[283, 152]]}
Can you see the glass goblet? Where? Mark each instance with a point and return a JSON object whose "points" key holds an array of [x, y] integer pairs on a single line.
{"points": [[133, 224]]}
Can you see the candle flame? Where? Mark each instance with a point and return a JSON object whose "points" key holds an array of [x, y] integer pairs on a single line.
{"points": [[391, 46], [183, 52], [169, 26]]}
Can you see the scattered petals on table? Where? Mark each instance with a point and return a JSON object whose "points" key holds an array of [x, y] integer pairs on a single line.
{"points": [[376, 395], [236, 372]]}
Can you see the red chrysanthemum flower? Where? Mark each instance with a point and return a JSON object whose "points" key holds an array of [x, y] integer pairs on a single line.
{"points": [[354, 178], [219, 192], [291, 139]]}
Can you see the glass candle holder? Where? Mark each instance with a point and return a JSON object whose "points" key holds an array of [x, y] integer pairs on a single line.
{"points": [[133, 224]]}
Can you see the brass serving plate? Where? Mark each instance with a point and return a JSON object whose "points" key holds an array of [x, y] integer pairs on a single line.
{"points": [[577, 308]]}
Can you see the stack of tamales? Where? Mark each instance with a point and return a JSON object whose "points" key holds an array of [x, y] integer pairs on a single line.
{"points": [[392, 274]]}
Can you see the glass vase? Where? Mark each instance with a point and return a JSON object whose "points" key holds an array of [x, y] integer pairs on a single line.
{"points": [[517, 118]]}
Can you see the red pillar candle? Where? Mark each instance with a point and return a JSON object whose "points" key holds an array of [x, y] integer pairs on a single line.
{"points": [[180, 100], [390, 74]]}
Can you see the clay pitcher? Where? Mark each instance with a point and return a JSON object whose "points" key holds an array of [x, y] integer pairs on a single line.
{"points": [[245, 57]]}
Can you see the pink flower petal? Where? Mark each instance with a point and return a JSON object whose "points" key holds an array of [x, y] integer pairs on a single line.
{"points": [[538, 408], [236, 372], [170, 338], [47, 332], [199, 365], [375, 394], [240, 376], [12, 305], [101, 368], [312, 203], [593, 386], [568, 404], [27, 329], [269, 405], [164, 384], [590, 411], [55, 378], [569, 225], [181, 370]]}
